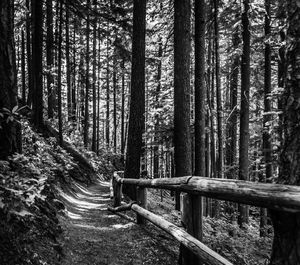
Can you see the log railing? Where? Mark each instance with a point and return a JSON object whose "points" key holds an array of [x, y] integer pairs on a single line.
{"points": [[271, 196]]}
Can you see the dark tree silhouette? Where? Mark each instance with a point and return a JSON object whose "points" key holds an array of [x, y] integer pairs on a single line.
{"points": [[286, 247], [9, 131], [137, 100], [37, 65]]}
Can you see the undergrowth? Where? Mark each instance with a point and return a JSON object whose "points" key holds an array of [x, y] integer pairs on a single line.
{"points": [[29, 228], [240, 246]]}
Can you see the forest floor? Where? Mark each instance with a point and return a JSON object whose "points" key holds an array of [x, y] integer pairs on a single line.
{"points": [[93, 235]]}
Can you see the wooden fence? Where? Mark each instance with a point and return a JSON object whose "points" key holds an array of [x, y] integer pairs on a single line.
{"points": [[271, 196]]}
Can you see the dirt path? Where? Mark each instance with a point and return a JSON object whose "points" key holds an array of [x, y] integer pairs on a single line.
{"points": [[94, 235]]}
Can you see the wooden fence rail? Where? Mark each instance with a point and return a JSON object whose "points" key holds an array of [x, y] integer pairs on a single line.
{"points": [[272, 196], [206, 254]]}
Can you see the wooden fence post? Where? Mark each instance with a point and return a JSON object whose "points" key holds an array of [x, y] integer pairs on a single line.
{"points": [[142, 201], [117, 187], [192, 222]]}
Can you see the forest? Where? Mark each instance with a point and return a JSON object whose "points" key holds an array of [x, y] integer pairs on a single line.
{"points": [[183, 113]]}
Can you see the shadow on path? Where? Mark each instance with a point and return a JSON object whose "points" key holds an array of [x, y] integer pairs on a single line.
{"points": [[94, 235]]}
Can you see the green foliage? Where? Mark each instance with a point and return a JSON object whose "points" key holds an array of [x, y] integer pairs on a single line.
{"points": [[8, 116], [240, 246], [27, 216]]}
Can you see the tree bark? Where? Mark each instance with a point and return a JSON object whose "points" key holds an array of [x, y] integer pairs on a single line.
{"points": [[267, 144], [115, 100], [87, 80], [49, 55], [156, 125], [182, 134], [244, 112], [37, 55], [23, 71], [200, 110], [74, 90], [231, 150], [220, 159], [107, 123], [94, 135], [286, 247], [68, 64], [98, 91], [137, 100], [10, 137], [60, 129], [29, 53], [123, 109]]}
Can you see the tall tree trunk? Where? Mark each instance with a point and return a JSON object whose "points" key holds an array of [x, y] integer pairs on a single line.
{"points": [[29, 53], [231, 143], [244, 112], [74, 97], [157, 105], [94, 135], [37, 54], [115, 100], [200, 111], [81, 79], [123, 109], [212, 110], [267, 145], [286, 247], [211, 156], [218, 93], [137, 100], [68, 64], [10, 136], [231, 152], [98, 91], [49, 47], [23, 71], [60, 129], [182, 134], [281, 67], [87, 80], [107, 123]]}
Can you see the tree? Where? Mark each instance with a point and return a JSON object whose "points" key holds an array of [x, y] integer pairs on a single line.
{"points": [[94, 135], [49, 48], [231, 150], [37, 57], [74, 51], [182, 133], [123, 109], [87, 79], [218, 94], [267, 145], [107, 129], [156, 126], [98, 91], [244, 112], [220, 157], [29, 53], [23, 71], [286, 249], [115, 81], [200, 97], [137, 96], [59, 74], [10, 137], [68, 63]]}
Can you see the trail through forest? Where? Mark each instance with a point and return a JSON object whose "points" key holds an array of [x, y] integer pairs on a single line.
{"points": [[94, 235]]}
